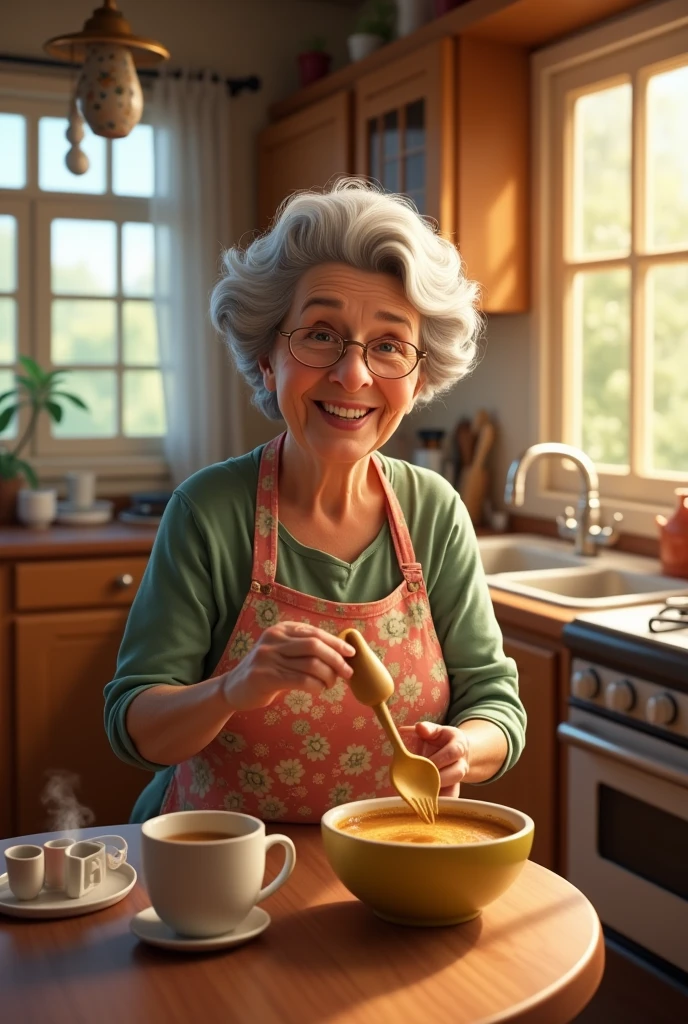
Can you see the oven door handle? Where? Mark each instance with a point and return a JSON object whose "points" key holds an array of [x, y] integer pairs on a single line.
{"points": [[588, 741]]}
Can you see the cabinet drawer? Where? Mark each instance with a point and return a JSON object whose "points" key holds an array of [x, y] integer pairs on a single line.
{"points": [[78, 583]]}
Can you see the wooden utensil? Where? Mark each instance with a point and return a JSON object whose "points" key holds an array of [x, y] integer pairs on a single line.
{"points": [[415, 778], [473, 481]]}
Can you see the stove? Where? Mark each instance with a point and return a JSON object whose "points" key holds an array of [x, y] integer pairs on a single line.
{"points": [[626, 737], [648, 639]]}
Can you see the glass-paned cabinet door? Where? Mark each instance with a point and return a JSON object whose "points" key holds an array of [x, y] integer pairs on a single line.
{"points": [[405, 129], [397, 151]]}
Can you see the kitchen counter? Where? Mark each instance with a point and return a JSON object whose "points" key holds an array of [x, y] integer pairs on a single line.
{"points": [[535, 956], [75, 541], [114, 538]]}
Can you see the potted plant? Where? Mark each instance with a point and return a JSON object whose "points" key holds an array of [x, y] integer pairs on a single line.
{"points": [[314, 62], [374, 28], [39, 392]]}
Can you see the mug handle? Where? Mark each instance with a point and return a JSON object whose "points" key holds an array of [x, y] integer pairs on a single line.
{"points": [[287, 867], [113, 860]]}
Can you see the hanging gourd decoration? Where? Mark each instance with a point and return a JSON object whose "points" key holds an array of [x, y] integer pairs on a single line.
{"points": [[76, 160], [108, 92]]}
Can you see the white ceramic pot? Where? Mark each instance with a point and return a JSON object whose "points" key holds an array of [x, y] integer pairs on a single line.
{"points": [[411, 14], [36, 508], [109, 91], [363, 43]]}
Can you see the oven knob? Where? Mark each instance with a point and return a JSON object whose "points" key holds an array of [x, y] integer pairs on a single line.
{"points": [[661, 709], [585, 683], [619, 695]]}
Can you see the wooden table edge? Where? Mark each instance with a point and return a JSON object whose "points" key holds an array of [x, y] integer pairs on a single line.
{"points": [[565, 998]]}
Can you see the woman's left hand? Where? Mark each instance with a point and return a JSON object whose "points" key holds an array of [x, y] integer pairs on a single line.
{"points": [[446, 745]]}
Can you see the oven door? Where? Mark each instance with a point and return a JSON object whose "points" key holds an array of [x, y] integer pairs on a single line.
{"points": [[628, 831]]}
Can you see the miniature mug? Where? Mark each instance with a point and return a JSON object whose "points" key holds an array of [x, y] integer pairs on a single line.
{"points": [[86, 863], [25, 870]]}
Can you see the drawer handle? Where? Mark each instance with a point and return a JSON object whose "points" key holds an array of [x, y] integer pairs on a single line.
{"points": [[125, 580]]}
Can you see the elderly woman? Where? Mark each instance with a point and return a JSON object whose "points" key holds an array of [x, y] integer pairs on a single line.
{"points": [[231, 678]]}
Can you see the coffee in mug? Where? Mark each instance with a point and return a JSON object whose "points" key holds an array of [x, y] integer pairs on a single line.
{"points": [[204, 869], [201, 837]]}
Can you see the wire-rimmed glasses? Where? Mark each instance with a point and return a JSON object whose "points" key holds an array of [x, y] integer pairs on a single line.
{"points": [[385, 357], [674, 615]]}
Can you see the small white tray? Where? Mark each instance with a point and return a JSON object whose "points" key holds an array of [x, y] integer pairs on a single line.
{"points": [[50, 903], [99, 512]]}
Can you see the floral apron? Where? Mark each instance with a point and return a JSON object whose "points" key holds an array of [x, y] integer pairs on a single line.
{"points": [[304, 753]]}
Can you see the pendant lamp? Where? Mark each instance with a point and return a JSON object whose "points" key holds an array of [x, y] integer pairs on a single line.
{"points": [[108, 91]]}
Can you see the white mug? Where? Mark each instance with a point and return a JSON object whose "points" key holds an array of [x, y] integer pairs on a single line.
{"points": [[36, 508], [204, 888], [81, 489], [86, 863], [56, 852], [25, 870]]}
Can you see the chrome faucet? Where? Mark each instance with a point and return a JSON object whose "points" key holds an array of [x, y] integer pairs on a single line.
{"points": [[583, 523]]}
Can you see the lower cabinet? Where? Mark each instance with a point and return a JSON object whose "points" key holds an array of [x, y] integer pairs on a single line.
{"points": [[67, 774], [531, 785]]}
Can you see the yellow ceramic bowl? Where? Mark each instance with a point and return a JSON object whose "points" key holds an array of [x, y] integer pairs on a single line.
{"points": [[427, 884]]}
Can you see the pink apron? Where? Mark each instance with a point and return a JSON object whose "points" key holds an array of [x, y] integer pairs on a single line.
{"points": [[303, 753]]}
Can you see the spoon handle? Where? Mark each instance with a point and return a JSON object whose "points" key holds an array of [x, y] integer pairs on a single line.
{"points": [[387, 722]]}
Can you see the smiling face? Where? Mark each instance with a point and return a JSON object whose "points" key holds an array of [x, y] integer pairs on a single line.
{"points": [[322, 406]]}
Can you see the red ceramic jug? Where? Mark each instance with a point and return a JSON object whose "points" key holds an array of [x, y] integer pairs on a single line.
{"points": [[673, 538]]}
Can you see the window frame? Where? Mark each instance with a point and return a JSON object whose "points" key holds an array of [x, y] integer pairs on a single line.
{"points": [[604, 55], [123, 462]]}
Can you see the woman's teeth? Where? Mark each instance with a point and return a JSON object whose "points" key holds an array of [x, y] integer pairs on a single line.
{"points": [[345, 414]]}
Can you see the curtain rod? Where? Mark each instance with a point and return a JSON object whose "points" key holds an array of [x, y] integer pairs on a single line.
{"points": [[234, 85]]}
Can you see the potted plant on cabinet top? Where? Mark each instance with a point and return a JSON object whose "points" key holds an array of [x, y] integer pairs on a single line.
{"points": [[39, 392], [314, 62], [374, 28]]}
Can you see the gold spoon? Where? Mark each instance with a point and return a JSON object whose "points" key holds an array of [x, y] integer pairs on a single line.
{"points": [[416, 779]]}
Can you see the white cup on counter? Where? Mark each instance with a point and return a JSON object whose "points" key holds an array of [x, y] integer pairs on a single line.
{"points": [[36, 508], [81, 489]]}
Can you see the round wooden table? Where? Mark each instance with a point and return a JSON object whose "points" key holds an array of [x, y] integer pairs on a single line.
{"points": [[536, 956]]}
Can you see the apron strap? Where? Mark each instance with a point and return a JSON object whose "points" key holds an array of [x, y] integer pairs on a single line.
{"points": [[411, 569], [265, 535]]}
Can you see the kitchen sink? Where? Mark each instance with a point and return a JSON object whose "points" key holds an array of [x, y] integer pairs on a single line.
{"points": [[521, 553], [548, 570]]}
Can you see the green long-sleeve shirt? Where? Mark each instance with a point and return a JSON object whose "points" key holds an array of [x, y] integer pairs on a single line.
{"points": [[199, 573]]}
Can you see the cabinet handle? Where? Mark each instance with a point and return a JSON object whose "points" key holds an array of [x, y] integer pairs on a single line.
{"points": [[125, 580]]}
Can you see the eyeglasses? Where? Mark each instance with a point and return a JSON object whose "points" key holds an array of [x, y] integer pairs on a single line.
{"points": [[385, 357]]}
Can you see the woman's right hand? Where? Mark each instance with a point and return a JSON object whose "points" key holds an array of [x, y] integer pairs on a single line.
{"points": [[287, 656]]}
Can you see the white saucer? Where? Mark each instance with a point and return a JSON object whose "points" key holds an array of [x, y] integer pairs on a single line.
{"points": [[148, 927], [137, 518], [57, 904], [99, 512]]}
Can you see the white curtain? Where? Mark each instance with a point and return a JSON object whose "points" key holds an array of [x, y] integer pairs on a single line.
{"points": [[190, 213]]}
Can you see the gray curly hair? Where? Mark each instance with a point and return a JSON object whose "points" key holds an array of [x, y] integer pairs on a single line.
{"points": [[352, 222]]}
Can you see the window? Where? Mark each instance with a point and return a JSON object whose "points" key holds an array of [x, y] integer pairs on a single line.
{"points": [[77, 266], [613, 254]]}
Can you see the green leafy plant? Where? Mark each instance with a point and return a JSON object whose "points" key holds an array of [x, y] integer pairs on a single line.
{"points": [[39, 392], [378, 18]]}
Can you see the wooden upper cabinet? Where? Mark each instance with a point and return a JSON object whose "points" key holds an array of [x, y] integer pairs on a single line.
{"points": [[306, 150], [492, 170], [405, 129], [448, 125]]}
